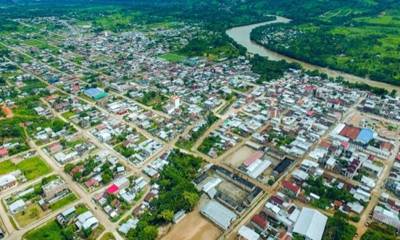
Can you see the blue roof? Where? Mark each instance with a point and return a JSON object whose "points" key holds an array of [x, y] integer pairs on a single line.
{"points": [[92, 91], [95, 93], [365, 135]]}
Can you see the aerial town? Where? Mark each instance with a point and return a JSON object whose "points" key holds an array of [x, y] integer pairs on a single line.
{"points": [[104, 134]]}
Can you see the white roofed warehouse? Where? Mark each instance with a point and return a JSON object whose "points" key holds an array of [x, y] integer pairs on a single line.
{"points": [[310, 224], [218, 214]]}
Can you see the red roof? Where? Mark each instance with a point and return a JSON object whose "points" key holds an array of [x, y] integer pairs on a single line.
{"points": [[112, 189], [259, 221], [253, 158], [346, 145], [325, 144], [276, 200], [350, 132], [91, 182], [310, 88], [291, 186], [3, 152], [336, 101], [386, 145]]}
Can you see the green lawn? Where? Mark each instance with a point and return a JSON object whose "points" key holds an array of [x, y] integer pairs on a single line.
{"points": [[173, 57], [50, 231], [6, 167], [63, 202], [32, 167]]}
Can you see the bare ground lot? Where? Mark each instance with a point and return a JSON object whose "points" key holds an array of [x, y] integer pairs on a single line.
{"points": [[233, 191], [193, 227], [237, 158]]}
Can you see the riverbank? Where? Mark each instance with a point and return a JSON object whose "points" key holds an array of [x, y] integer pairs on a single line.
{"points": [[241, 35]]}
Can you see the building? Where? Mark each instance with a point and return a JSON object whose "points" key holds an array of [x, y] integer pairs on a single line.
{"points": [[3, 152], [310, 224], [65, 216], [86, 221], [17, 206], [95, 93], [7, 181], [387, 217], [53, 189], [218, 214], [246, 233]]}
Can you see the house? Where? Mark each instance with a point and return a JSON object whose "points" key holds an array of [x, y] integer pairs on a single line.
{"points": [[17, 206], [259, 221], [388, 217], [65, 216], [54, 188], [310, 224], [112, 190], [130, 224], [86, 221], [7, 181], [55, 147], [291, 188], [246, 233], [3, 152]]}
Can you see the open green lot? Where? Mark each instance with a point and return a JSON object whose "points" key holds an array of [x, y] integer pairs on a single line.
{"points": [[173, 57], [49, 231], [32, 167]]}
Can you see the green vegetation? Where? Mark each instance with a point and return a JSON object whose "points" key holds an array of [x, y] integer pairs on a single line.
{"points": [[214, 46], [52, 230], [270, 70], [327, 194], [153, 99], [365, 46], [338, 228], [12, 132], [107, 236], [378, 231], [63, 202], [173, 57], [49, 231], [209, 143], [31, 167], [88, 165], [280, 139], [176, 193]]}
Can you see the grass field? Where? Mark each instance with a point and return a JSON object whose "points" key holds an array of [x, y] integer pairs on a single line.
{"points": [[173, 57], [49, 231], [32, 167], [63, 202]]}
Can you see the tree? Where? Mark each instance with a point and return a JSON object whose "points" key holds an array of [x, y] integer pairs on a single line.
{"points": [[167, 215], [68, 167], [191, 199], [106, 177], [338, 228]]}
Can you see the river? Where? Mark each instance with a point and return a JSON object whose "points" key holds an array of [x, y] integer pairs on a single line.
{"points": [[241, 35]]}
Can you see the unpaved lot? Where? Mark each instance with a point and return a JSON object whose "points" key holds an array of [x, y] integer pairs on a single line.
{"points": [[237, 158], [193, 227]]}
